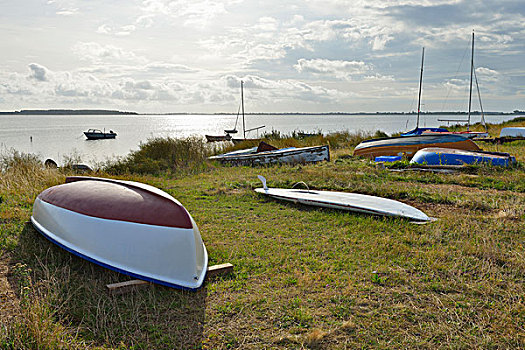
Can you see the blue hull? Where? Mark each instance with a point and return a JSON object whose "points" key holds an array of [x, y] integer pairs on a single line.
{"points": [[444, 156]]}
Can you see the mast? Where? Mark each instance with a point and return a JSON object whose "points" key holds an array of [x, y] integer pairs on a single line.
{"points": [[471, 71], [242, 104], [420, 84]]}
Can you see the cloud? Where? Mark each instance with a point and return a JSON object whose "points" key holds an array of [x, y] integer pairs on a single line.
{"points": [[67, 12], [333, 68], [194, 13], [38, 72], [95, 52], [122, 31]]}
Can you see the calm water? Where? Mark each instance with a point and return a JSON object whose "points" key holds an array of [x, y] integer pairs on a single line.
{"points": [[57, 136]]}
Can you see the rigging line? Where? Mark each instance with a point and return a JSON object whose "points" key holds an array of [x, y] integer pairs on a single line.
{"points": [[237, 119], [456, 75], [480, 105]]}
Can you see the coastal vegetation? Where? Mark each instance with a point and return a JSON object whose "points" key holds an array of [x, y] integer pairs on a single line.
{"points": [[303, 277]]}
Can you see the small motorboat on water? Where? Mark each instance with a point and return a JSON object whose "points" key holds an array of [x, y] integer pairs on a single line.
{"points": [[267, 154], [97, 134], [409, 145], [345, 201], [126, 226], [446, 156]]}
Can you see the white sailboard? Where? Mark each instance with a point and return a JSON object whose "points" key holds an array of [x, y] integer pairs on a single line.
{"points": [[345, 201]]}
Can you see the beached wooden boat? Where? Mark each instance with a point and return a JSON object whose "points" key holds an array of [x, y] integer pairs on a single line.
{"points": [[96, 134], [448, 156], [263, 156], [126, 226], [345, 201], [409, 145]]}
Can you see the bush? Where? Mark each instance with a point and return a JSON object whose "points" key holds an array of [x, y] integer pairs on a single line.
{"points": [[164, 155]]}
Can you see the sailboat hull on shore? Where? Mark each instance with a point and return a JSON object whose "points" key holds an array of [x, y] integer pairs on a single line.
{"points": [[409, 145]]}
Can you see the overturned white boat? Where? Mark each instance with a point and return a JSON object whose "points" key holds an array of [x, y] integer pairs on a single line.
{"points": [[126, 226], [345, 201], [271, 155]]}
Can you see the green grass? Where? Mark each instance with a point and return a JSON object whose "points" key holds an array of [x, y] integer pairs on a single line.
{"points": [[304, 277]]}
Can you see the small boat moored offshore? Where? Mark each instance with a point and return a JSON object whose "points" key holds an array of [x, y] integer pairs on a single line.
{"points": [[267, 154], [345, 201], [96, 134], [126, 226], [218, 138], [409, 145], [448, 156]]}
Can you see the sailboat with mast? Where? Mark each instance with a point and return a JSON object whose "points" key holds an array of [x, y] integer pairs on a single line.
{"points": [[244, 130], [418, 130], [468, 133]]}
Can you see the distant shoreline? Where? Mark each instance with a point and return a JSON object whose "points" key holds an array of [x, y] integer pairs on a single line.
{"points": [[113, 112]]}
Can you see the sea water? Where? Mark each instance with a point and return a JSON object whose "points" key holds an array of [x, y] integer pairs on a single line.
{"points": [[61, 136]]}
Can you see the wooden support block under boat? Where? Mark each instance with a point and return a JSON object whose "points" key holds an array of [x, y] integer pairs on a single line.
{"points": [[125, 287], [219, 270], [128, 286]]}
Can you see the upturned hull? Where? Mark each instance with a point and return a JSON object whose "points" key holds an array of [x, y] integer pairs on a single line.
{"points": [[445, 156], [282, 156], [408, 145], [125, 226], [347, 201]]}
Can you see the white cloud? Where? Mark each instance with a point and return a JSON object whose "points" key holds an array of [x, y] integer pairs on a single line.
{"points": [[67, 12], [194, 13], [333, 68], [38, 72], [95, 52]]}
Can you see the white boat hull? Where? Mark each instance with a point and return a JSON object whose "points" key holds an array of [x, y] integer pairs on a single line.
{"points": [[171, 256]]}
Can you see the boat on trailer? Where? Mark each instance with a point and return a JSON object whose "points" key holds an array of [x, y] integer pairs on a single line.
{"points": [[446, 156], [125, 226], [409, 145], [97, 134], [345, 201], [266, 154]]}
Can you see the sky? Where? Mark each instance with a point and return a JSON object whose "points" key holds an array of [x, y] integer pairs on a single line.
{"points": [[309, 56]]}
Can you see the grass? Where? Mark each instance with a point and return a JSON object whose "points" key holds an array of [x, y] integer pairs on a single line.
{"points": [[304, 277]]}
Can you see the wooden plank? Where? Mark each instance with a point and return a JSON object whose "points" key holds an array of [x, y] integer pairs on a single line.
{"points": [[127, 286], [219, 270], [124, 287]]}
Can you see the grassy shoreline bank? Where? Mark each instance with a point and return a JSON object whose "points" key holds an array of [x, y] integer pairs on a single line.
{"points": [[304, 278]]}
